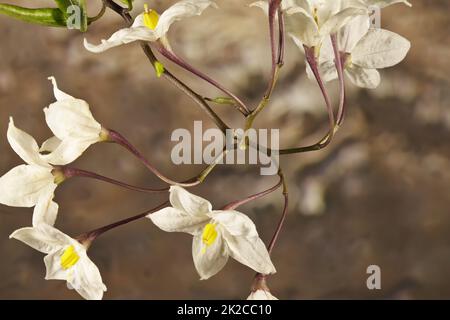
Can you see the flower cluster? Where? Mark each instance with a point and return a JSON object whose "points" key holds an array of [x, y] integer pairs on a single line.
{"points": [[363, 49], [335, 36]]}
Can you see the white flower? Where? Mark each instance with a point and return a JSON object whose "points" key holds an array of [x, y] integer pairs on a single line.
{"points": [[66, 259], [261, 294], [73, 125], [375, 3], [308, 22], [32, 184], [217, 234], [149, 26], [365, 49]]}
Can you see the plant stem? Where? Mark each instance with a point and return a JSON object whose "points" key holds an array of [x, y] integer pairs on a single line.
{"points": [[74, 172], [88, 237], [241, 107], [124, 13], [340, 72], [283, 215], [235, 204]]}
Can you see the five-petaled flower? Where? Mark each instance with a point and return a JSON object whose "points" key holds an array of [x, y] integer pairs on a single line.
{"points": [[66, 259], [149, 26], [364, 50], [33, 184], [218, 234]]}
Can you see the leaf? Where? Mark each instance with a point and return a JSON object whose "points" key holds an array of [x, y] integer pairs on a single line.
{"points": [[44, 16], [75, 12]]}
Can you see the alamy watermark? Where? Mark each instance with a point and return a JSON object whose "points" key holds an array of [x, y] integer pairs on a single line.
{"points": [[256, 146]]}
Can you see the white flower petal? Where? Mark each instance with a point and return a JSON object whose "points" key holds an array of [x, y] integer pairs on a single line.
{"points": [[37, 238], [181, 10], [46, 209], [174, 220], [54, 270], [301, 26], [380, 49], [50, 144], [250, 251], [188, 202], [385, 3], [123, 36], [71, 118], [364, 78], [59, 95], [235, 222], [209, 260], [327, 71], [24, 145], [337, 21], [23, 185], [261, 295], [69, 150], [352, 32], [87, 279]]}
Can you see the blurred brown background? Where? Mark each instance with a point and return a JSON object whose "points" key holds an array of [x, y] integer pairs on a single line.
{"points": [[378, 195]]}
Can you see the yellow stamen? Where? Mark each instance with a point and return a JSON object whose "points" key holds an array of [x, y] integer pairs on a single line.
{"points": [[209, 235], [316, 16], [151, 18], [69, 258]]}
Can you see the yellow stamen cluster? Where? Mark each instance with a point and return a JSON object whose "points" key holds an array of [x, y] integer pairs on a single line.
{"points": [[69, 258], [151, 18], [209, 235]]}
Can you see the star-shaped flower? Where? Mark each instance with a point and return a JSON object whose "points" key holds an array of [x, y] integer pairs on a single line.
{"points": [[73, 125], [66, 259], [218, 234], [364, 51], [33, 184]]}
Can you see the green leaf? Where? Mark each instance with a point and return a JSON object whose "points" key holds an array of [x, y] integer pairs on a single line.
{"points": [[44, 16], [75, 12], [129, 3]]}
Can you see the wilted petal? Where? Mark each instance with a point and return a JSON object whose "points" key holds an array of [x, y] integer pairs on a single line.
{"points": [[24, 145], [380, 49], [174, 220], [188, 202], [23, 185], [209, 260], [364, 78], [251, 252]]}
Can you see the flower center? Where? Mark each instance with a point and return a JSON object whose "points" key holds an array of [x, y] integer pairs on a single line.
{"points": [[151, 18], [69, 258], [209, 234]]}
